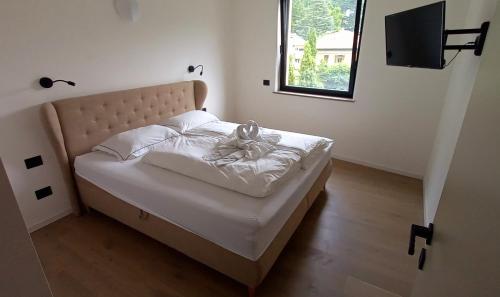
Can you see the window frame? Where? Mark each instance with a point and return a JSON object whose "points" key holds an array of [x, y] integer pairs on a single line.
{"points": [[283, 52]]}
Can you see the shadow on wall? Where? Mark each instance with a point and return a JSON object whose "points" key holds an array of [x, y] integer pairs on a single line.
{"points": [[18, 99], [14, 93]]}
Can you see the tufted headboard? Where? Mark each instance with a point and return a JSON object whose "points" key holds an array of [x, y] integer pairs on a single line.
{"points": [[76, 125]]}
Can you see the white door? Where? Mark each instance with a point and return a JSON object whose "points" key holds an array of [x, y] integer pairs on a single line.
{"points": [[464, 258]]}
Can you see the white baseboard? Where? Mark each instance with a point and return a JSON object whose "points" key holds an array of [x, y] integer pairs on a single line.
{"points": [[48, 221], [380, 167]]}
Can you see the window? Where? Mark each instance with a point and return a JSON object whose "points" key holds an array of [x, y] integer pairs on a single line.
{"points": [[311, 32]]}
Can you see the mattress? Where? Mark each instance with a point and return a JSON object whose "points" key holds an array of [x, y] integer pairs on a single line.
{"points": [[237, 222]]}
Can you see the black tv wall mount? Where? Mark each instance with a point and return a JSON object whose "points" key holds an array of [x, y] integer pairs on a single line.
{"points": [[476, 45]]}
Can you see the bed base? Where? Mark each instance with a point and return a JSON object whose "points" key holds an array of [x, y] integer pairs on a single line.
{"points": [[245, 271]]}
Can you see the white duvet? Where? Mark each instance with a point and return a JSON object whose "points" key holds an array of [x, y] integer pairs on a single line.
{"points": [[258, 178]]}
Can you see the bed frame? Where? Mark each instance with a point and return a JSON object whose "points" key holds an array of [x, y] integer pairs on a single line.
{"points": [[76, 125]]}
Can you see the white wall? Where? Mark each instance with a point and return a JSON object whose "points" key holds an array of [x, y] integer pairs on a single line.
{"points": [[393, 122], [462, 81], [87, 42]]}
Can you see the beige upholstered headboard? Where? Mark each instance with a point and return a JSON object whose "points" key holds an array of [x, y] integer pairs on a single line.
{"points": [[77, 124]]}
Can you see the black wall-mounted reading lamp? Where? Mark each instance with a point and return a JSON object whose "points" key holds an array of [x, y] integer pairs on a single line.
{"points": [[47, 83], [192, 69]]}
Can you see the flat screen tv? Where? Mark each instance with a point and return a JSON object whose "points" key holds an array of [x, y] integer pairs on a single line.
{"points": [[415, 38]]}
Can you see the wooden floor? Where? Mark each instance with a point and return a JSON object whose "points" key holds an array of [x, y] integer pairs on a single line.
{"points": [[354, 238]]}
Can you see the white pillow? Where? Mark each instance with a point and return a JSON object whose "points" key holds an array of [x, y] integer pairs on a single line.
{"points": [[189, 120], [134, 143]]}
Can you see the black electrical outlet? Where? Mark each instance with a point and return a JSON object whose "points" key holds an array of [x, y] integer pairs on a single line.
{"points": [[33, 162], [43, 193], [267, 82], [204, 109]]}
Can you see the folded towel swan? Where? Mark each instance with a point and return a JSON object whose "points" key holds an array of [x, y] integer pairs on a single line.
{"points": [[249, 131], [247, 142]]}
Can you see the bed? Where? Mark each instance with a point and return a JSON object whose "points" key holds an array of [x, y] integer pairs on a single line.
{"points": [[235, 235]]}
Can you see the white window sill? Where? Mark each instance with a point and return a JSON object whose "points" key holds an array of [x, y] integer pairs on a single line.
{"points": [[315, 96]]}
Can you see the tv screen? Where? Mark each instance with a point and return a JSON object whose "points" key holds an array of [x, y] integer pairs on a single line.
{"points": [[415, 38]]}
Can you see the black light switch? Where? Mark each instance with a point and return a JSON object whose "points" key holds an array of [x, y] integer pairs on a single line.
{"points": [[43, 193], [33, 162], [267, 82]]}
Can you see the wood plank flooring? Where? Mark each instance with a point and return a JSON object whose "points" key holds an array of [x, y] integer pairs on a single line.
{"points": [[356, 233]]}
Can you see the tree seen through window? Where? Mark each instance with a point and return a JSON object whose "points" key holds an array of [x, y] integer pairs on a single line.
{"points": [[315, 31]]}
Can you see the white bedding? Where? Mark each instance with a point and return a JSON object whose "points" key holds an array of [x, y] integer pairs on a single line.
{"points": [[234, 221], [187, 154], [301, 143]]}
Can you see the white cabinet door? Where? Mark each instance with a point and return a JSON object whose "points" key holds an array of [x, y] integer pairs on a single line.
{"points": [[20, 271], [464, 258]]}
